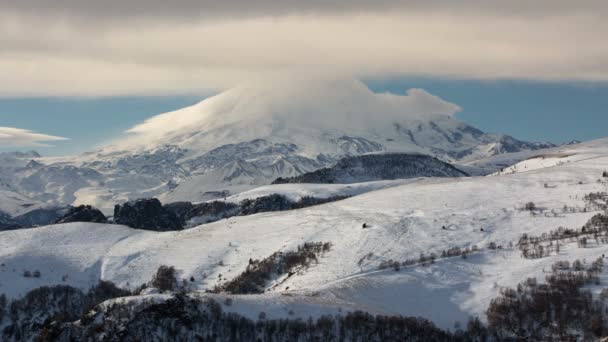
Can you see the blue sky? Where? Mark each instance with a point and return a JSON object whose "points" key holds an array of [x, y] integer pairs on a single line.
{"points": [[534, 111]]}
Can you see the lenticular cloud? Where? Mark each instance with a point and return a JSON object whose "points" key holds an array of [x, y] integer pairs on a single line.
{"points": [[17, 137], [286, 108]]}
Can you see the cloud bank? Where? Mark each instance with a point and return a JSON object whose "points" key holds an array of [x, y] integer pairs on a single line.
{"points": [[17, 137], [72, 47]]}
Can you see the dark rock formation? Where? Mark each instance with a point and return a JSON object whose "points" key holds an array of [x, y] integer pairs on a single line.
{"points": [[147, 214], [83, 213]]}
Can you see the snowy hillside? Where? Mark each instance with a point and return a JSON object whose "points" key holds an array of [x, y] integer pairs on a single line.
{"points": [[418, 217], [249, 136], [559, 156], [295, 192]]}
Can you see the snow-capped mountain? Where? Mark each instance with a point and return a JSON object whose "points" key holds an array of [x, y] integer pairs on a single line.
{"points": [[251, 135], [313, 118]]}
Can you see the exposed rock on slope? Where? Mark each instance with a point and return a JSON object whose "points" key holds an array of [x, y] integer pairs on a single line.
{"points": [[83, 213], [146, 214]]}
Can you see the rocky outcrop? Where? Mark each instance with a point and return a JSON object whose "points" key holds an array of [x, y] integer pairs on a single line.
{"points": [[147, 214], [83, 213]]}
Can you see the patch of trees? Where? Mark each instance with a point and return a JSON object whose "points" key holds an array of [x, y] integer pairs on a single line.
{"points": [[3, 306], [188, 318], [561, 309], [165, 278], [33, 314], [594, 231], [30, 274], [530, 206], [596, 201], [428, 259], [259, 272]]}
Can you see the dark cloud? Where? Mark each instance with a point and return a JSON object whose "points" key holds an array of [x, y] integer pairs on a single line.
{"points": [[109, 9]]}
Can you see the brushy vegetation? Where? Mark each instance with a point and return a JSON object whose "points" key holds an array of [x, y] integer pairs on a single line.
{"points": [[594, 231], [186, 318], [428, 259], [559, 310], [165, 278], [259, 272], [596, 201], [40, 307]]}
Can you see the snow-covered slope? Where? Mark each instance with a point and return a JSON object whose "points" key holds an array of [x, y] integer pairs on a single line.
{"points": [[559, 156], [404, 221], [295, 192], [249, 136], [14, 204]]}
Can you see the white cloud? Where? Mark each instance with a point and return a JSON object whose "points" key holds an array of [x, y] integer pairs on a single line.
{"points": [[83, 48], [290, 107], [16, 137]]}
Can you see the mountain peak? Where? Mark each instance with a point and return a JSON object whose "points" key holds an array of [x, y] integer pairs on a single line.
{"points": [[288, 111]]}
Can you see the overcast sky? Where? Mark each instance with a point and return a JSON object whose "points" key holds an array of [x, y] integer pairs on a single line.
{"points": [[74, 48], [118, 47]]}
